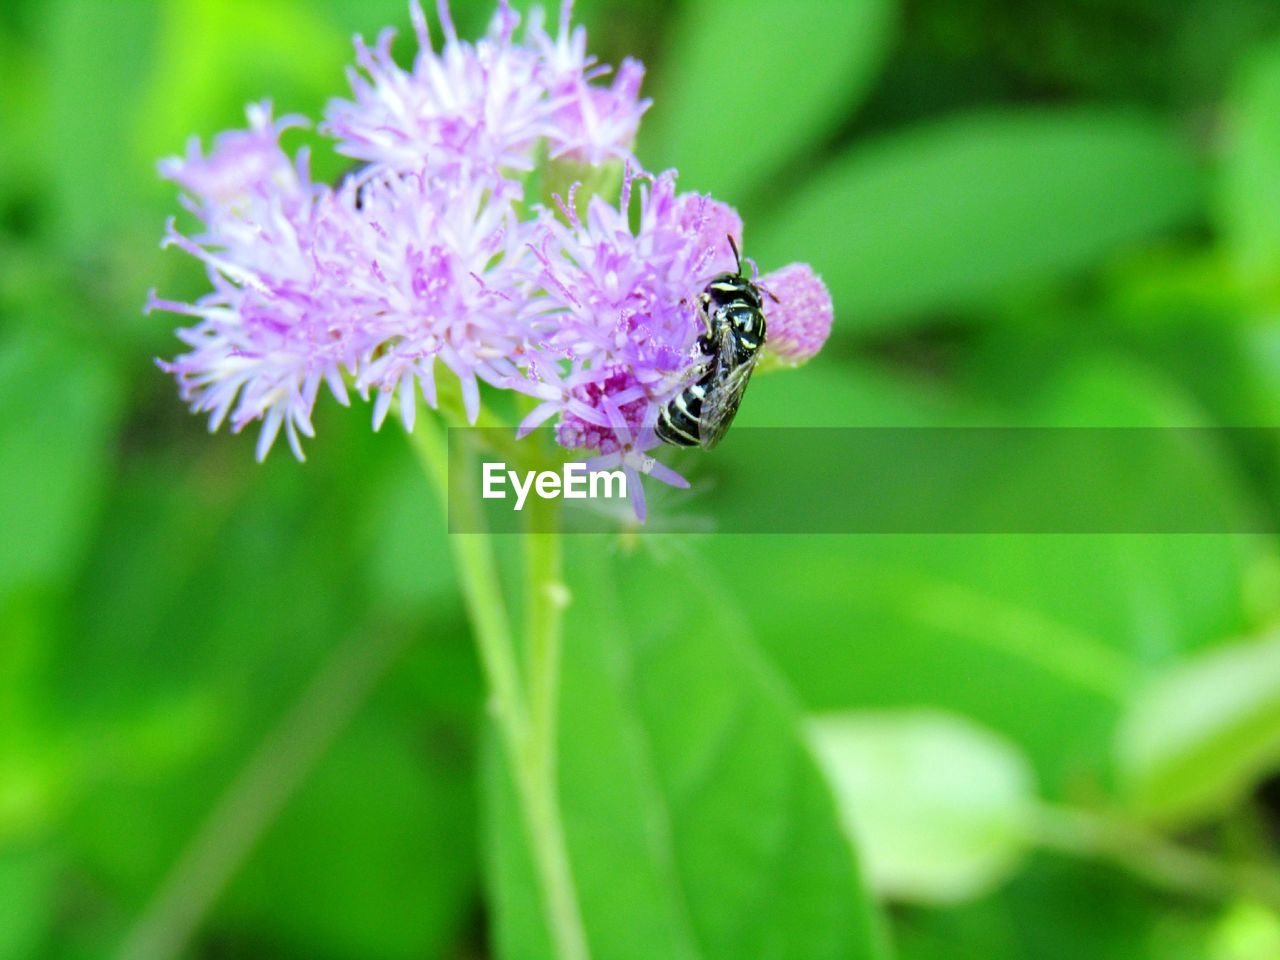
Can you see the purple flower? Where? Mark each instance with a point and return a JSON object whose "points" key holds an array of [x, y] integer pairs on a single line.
{"points": [[241, 162], [371, 282], [617, 307], [431, 252], [482, 109], [268, 333], [438, 268], [798, 314], [592, 123], [602, 407]]}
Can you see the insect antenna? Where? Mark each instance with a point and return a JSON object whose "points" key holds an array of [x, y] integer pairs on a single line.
{"points": [[737, 257]]}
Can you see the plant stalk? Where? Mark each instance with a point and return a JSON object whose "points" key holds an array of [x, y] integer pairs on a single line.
{"points": [[526, 718], [545, 598], [1154, 858], [259, 792]]}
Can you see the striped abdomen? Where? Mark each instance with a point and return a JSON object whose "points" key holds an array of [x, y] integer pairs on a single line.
{"points": [[678, 420]]}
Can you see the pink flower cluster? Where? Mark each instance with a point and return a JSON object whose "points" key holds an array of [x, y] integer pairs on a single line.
{"points": [[432, 254]]}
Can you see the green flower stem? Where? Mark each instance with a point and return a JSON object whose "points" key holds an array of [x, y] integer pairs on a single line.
{"points": [[542, 811], [481, 589], [526, 721], [545, 599], [1154, 858]]}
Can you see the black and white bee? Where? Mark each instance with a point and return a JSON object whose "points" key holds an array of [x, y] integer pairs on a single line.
{"points": [[733, 316]]}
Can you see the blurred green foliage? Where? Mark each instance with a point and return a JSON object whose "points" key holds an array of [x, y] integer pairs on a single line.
{"points": [[1051, 213]]}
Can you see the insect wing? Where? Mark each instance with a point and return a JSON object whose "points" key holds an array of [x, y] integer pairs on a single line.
{"points": [[724, 394]]}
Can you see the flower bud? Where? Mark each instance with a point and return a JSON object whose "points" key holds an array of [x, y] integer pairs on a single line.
{"points": [[798, 312]]}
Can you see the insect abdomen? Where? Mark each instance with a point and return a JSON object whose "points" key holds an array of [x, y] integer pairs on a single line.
{"points": [[678, 420]]}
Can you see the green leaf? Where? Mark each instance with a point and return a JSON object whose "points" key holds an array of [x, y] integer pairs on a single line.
{"points": [[23, 109], [1041, 638], [28, 901], [170, 675], [1201, 734], [1247, 931], [131, 82], [831, 393], [941, 808], [99, 54], [367, 17], [1249, 186], [247, 50], [511, 882], [698, 825], [383, 832], [58, 410], [745, 89], [404, 517], [1057, 909], [968, 207]]}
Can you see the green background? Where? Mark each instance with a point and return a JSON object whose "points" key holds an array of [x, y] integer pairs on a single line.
{"points": [[1051, 213]]}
